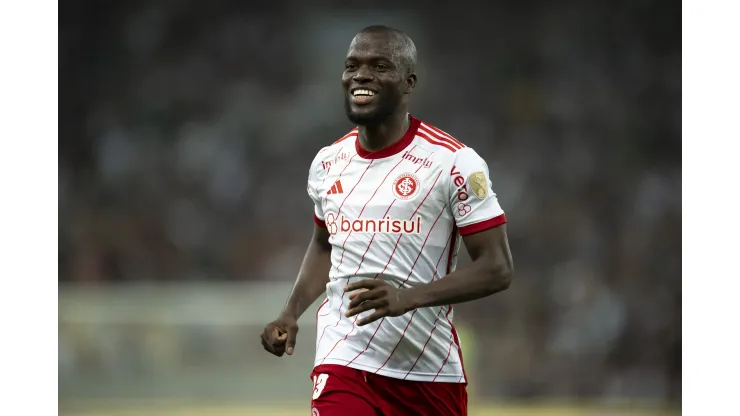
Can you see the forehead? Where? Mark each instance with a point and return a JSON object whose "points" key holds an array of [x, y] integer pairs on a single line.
{"points": [[374, 45]]}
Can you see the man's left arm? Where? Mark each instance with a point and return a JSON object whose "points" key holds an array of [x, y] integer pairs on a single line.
{"points": [[481, 223], [490, 272]]}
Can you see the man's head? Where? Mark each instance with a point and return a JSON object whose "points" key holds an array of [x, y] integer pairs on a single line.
{"points": [[378, 74]]}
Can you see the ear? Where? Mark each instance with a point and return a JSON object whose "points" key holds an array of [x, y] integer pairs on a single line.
{"points": [[410, 83]]}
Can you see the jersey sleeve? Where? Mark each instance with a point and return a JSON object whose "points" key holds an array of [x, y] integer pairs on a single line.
{"points": [[473, 203], [313, 182]]}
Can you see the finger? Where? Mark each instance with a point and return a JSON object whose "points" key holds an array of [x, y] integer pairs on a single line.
{"points": [[291, 337], [363, 284], [365, 306], [379, 313], [269, 348], [276, 332], [355, 293], [277, 350], [364, 297]]}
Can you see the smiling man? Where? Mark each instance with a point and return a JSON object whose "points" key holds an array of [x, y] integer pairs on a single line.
{"points": [[393, 199]]}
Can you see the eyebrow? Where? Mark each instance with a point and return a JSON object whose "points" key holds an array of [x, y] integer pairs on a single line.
{"points": [[370, 58]]}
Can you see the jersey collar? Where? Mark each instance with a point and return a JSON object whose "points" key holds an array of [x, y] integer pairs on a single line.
{"points": [[392, 149]]}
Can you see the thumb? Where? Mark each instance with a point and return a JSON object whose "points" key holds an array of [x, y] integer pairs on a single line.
{"points": [[290, 343]]}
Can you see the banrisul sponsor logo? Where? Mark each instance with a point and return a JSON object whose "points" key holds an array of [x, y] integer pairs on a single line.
{"points": [[388, 225]]}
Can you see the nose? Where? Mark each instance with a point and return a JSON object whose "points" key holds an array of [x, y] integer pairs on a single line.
{"points": [[362, 74]]}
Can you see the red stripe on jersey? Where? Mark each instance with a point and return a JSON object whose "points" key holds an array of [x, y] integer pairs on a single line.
{"points": [[329, 169], [389, 262], [353, 188], [422, 247], [453, 240], [399, 341], [483, 225], [412, 216], [321, 223], [434, 326], [454, 143], [404, 282], [318, 310], [340, 209], [326, 326], [440, 132], [449, 350], [444, 249], [343, 339], [339, 187], [372, 238], [365, 206], [353, 132], [457, 344], [430, 139]]}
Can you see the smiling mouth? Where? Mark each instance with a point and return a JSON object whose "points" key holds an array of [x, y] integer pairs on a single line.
{"points": [[362, 96]]}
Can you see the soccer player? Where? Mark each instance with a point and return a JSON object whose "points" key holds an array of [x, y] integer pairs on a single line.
{"points": [[393, 199]]}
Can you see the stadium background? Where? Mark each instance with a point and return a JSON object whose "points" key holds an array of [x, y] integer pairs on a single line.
{"points": [[186, 130]]}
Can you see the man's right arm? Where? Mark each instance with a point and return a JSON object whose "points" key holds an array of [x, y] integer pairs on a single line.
{"points": [[313, 275], [279, 336]]}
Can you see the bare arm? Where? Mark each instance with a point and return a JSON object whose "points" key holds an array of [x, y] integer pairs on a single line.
{"points": [[279, 336], [313, 275], [491, 271]]}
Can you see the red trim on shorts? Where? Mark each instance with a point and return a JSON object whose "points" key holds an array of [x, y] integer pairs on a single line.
{"points": [[321, 223], [483, 225], [393, 149]]}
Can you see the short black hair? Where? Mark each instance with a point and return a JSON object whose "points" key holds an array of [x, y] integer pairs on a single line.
{"points": [[402, 44]]}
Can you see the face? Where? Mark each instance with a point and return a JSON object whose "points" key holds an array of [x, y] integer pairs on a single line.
{"points": [[374, 80]]}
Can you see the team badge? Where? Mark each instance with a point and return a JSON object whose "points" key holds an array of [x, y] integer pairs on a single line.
{"points": [[478, 184], [406, 186]]}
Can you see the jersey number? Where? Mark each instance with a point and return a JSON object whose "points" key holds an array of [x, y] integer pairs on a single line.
{"points": [[319, 382]]}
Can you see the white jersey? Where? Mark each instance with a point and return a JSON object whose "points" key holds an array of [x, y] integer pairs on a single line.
{"points": [[397, 214]]}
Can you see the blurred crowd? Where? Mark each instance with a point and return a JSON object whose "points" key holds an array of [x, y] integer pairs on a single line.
{"points": [[187, 128]]}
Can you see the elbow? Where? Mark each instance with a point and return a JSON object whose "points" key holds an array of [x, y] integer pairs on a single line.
{"points": [[499, 278]]}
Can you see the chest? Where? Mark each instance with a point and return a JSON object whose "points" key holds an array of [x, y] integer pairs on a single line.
{"points": [[381, 188]]}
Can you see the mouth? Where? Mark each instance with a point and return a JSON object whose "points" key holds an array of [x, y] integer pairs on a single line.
{"points": [[362, 95]]}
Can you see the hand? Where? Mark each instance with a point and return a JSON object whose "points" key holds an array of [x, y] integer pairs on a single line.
{"points": [[375, 294], [279, 336]]}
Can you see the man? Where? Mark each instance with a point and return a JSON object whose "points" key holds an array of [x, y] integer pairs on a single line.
{"points": [[393, 198]]}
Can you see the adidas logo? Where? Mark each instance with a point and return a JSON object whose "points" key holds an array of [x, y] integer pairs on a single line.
{"points": [[336, 188]]}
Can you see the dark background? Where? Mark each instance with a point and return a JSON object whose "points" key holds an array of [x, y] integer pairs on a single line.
{"points": [[187, 128]]}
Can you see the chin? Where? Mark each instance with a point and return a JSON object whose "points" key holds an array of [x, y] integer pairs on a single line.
{"points": [[365, 118]]}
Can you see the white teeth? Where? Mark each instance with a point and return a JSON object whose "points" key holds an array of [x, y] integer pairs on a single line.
{"points": [[362, 92]]}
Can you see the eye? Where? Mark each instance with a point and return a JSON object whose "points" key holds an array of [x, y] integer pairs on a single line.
{"points": [[382, 67], [349, 66]]}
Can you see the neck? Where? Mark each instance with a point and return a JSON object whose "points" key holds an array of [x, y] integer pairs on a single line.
{"points": [[380, 136]]}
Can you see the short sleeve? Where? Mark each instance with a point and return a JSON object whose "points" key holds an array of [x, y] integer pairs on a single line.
{"points": [[313, 183], [473, 203]]}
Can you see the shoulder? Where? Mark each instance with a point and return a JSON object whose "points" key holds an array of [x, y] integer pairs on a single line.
{"points": [[339, 149], [437, 140]]}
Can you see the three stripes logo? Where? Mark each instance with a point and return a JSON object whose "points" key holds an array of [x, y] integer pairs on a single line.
{"points": [[336, 188]]}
